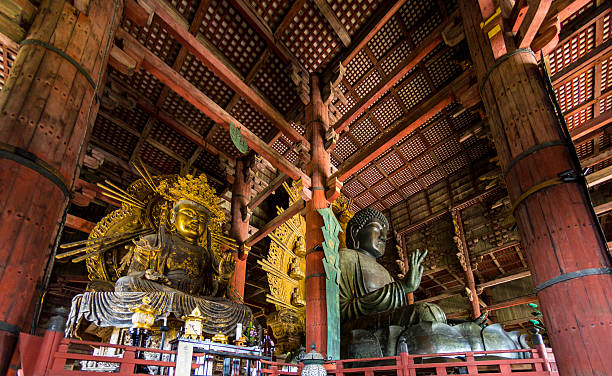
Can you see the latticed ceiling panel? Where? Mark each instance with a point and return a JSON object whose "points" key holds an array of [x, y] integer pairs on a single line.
{"points": [[253, 120], [155, 38], [605, 103], [172, 140], [395, 57], [414, 11], [479, 150], [412, 148], [353, 13], [371, 176], [402, 177], [353, 188], [7, 59], [572, 50], [366, 199], [390, 162], [271, 11], [393, 199], [357, 67], [187, 114], [187, 8], [456, 164], [443, 68], [280, 146], [421, 32], [142, 81], [232, 35], [206, 81], [276, 85], [578, 118], [606, 28], [310, 38], [222, 141], [368, 83], [422, 164], [383, 189], [134, 117], [364, 131], [106, 131], [606, 78], [437, 132], [432, 177], [208, 163], [350, 101], [447, 149], [414, 90], [411, 188], [334, 161], [386, 38], [575, 91], [158, 159], [292, 156], [462, 120], [388, 111], [585, 149], [345, 147]]}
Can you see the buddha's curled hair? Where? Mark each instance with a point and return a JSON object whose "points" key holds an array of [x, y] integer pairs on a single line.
{"points": [[359, 220]]}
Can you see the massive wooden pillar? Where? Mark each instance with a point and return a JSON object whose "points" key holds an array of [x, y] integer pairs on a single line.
{"points": [[319, 170], [567, 254], [45, 108], [241, 194]]}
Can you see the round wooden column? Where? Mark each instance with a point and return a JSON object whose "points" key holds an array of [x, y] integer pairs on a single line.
{"points": [[241, 194], [45, 107], [318, 169], [567, 254]]}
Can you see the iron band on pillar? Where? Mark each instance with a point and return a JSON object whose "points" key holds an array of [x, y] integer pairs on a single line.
{"points": [[573, 275]]}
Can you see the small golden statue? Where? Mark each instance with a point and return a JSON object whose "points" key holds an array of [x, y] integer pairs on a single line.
{"points": [[220, 338], [295, 271], [296, 298]]}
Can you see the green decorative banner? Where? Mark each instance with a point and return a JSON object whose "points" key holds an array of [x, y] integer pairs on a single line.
{"points": [[238, 139], [331, 261]]}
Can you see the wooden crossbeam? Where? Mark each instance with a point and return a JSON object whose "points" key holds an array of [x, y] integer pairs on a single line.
{"points": [[77, 223], [415, 57], [273, 186], [280, 219], [180, 31], [334, 22], [591, 128], [599, 177], [193, 95]]}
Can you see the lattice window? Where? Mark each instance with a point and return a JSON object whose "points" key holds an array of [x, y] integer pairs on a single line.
{"points": [[393, 199], [576, 91], [187, 114], [585, 149], [208, 83], [448, 149], [273, 81], [456, 164], [385, 38], [172, 140], [352, 13], [396, 57], [367, 84], [155, 38], [432, 177], [412, 188], [605, 74], [414, 91], [366, 199], [388, 111], [478, 151], [371, 176], [425, 28], [345, 147], [390, 162], [232, 35], [414, 10], [383, 188], [357, 67], [112, 134], [437, 132], [7, 59], [186, 8], [423, 164], [272, 11], [579, 118], [605, 103], [280, 146], [353, 188], [310, 38], [442, 70], [253, 120], [364, 131], [158, 159], [412, 148], [572, 50], [135, 117], [606, 27], [402, 177]]}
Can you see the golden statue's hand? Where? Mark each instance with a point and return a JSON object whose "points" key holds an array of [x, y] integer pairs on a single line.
{"points": [[414, 275], [154, 276]]}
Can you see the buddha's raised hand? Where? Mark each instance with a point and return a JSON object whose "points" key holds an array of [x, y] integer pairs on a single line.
{"points": [[413, 278]]}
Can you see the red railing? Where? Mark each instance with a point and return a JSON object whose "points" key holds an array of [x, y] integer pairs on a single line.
{"points": [[59, 357]]}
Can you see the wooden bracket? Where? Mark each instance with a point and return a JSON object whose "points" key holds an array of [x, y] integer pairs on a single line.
{"points": [[333, 189], [519, 11], [493, 27], [243, 251], [121, 61], [331, 139]]}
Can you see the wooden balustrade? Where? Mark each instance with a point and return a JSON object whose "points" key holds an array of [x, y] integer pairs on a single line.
{"points": [[537, 363]]}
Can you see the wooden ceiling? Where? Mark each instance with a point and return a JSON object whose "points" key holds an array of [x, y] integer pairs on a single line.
{"points": [[408, 146]]}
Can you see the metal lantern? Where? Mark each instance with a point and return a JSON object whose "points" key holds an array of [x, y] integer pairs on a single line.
{"points": [[313, 364], [144, 315]]}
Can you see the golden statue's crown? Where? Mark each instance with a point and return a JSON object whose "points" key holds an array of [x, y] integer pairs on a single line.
{"points": [[194, 189]]}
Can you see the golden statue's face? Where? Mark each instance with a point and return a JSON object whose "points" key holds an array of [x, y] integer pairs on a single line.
{"points": [[190, 221]]}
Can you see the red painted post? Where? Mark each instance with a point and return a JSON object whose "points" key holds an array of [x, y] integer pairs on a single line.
{"points": [[128, 363], [60, 362], [407, 364], [319, 171], [47, 107], [274, 369], [51, 344], [241, 194], [472, 368]]}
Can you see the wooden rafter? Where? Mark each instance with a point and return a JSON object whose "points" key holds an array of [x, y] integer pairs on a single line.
{"points": [[334, 22], [189, 92], [277, 221], [180, 30]]}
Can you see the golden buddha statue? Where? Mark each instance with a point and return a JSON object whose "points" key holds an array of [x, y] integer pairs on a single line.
{"points": [[295, 271]]}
